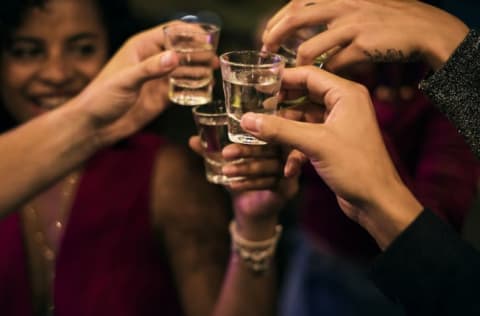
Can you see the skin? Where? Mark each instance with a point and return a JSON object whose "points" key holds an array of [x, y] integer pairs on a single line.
{"points": [[368, 30], [115, 105], [368, 188], [190, 243], [358, 31], [46, 65]]}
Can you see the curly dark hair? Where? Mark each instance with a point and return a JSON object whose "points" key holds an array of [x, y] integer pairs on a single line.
{"points": [[115, 14]]}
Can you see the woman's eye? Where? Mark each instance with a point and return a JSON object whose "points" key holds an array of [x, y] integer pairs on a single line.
{"points": [[25, 53], [85, 50]]}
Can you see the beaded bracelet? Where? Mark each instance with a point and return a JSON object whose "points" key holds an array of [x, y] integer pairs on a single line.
{"points": [[256, 255]]}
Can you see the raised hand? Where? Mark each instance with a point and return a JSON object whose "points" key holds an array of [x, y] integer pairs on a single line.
{"points": [[131, 89], [346, 150], [264, 192], [368, 30]]}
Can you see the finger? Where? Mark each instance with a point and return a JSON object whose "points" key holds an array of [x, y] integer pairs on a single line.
{"points": [[323, 87], [330, 41], [305, 137], [345, 57], [254, 184], [195, 144], [293, 5], [152, 68], [295, 113], [277, 16], [292, 20], [235, 151], [296, 78], [295, 161], [149, 42], [215, 62], [253, 168], [306, 111]]}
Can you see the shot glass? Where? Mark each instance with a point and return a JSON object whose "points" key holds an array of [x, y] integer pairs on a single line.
{"points": [[211, 121], [289, 47], [195, 43], [251, 83]]}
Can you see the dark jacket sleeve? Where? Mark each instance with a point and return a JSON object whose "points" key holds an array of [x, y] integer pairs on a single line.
{"points": [[430, 271], [455, 89]]}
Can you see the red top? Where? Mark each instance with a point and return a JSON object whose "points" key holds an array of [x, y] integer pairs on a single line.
{"points": [[108, 261], [432, 159]]}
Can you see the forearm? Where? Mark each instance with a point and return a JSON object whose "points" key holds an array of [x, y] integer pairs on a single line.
{"points": [[244, 291], [37, 153]]}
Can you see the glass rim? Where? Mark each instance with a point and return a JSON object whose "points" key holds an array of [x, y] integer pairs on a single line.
{"points": [[212, 27], [214, 103], [257, 52]]}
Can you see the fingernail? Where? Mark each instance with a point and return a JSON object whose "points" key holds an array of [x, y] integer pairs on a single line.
{"points": [[168, 59], [251, 122], [287, 169]]}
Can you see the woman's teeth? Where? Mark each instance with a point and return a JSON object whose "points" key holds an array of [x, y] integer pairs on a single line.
{"points": [[51, 102]]}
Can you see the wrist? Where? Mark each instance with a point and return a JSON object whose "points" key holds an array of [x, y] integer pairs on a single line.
{"points": [[256, 255], [438, 51], [392, 214], [254, 228], [80, 132], [89, 129]]}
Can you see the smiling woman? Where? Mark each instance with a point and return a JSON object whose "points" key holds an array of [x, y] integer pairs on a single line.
{"points": [[50, 51], [44, 65]]}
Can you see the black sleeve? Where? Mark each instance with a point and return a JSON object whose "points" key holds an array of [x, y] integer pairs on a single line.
{"points": [[455, 89], [430, 271]]}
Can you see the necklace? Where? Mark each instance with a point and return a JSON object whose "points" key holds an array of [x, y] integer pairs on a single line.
{"points": [[46, 248]]}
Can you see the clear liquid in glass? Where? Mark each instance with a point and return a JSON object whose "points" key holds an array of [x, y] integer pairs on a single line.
{"points": [[213, 133], [249, 91], [191, 82]]}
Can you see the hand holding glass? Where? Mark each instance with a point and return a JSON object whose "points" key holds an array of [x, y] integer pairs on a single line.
{"points": [[195, 43], [251, 83]]}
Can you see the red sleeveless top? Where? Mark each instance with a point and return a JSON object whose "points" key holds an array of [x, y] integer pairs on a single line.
{"points": [[108, 261]]}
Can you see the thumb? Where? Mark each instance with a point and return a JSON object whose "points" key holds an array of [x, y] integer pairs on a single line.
{"points": [[153, 67], [195, 144], [299, 135], [294, 163]]}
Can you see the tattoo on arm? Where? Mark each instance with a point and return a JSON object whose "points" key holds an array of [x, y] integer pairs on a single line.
{"points": [[391, 55]]}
